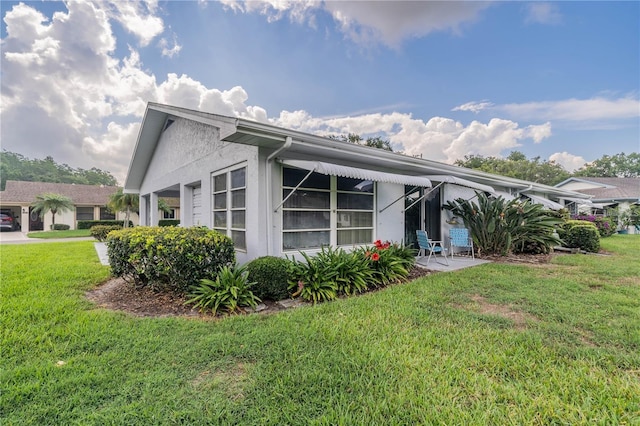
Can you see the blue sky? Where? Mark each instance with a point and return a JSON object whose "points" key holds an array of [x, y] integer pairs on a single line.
{"points": [[559, 80]]}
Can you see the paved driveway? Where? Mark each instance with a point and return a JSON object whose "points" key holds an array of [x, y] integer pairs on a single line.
{"points": [[17, 237]]}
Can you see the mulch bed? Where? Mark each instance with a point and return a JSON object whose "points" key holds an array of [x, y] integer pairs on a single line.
{"points": [[119, 295]]}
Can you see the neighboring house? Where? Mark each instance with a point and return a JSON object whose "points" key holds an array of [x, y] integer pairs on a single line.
{"points": [[277, 191], [90, 203], [604, 192]]}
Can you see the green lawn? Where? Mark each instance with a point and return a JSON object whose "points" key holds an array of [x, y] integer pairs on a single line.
{"points": [[564, 350], [71, 233]]}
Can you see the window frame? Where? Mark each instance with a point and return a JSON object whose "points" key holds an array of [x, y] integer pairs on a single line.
{"points": [[229, 209], [334, 212]]}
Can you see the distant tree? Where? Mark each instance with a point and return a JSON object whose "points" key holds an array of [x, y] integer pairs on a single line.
{"points": [[374, 142], [121, 202], [14, 166], [517, 165], [618, 165], [52, 202]]}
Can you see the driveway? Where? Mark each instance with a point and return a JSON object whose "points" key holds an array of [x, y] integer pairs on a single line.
{"points": [[17, 237]]}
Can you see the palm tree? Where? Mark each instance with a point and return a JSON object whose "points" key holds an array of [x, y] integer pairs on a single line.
{"points": [[52, 202], [121, 202]]}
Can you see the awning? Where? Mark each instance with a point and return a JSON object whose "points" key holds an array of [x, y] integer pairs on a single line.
{"points": [[462, 182], [356, 173], [547, 203], [504, 195], [581, 201]]}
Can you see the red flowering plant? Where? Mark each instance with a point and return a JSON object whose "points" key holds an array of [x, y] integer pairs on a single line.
{"points": [[390, 262]]}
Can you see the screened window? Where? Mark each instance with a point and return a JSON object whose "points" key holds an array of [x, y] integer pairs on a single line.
{"points": [[106, 214], [325, 210], [84, 213], [229, 204], [171, 214]]}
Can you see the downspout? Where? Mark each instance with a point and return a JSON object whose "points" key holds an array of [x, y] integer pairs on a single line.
{"points": [[525, 190], [287, 144]]}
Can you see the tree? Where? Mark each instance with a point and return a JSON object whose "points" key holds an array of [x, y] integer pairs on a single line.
{"points": [[374, 142], [517, 165], [52, 202], [121, 202], [618, 165], [15, 166]]}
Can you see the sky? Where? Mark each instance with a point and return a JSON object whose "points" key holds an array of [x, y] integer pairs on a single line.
{"points": [[555, 80]]}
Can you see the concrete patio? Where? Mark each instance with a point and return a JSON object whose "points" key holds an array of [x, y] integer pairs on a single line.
{"points": [[438, 263]]}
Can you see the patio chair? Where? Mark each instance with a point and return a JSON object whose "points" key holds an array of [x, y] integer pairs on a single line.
{"points": [[427, 245], [460, 238]]}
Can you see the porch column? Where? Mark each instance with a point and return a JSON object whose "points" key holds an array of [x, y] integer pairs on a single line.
{"points": [[153, 211]]}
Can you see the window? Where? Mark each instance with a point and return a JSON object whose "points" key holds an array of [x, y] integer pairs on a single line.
{"points": [[84, 213], [106, 214], [171, 214], [229, 204], [325, 210]]}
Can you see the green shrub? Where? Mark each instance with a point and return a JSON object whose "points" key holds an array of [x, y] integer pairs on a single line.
{"points": [[60, 227], [501, 227], [168, 222], [88, 224], [606, 225], [271, 275], [314, 280], [229, 291], [391, 262], [353, 272], [168, 257], [580, 234], [100, 232]]}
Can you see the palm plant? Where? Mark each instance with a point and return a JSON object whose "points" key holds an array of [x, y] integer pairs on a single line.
{"points": [[121, 202], [52, 202]]}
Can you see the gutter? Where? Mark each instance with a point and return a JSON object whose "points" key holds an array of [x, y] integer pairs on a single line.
{"points": [[287, 144]]}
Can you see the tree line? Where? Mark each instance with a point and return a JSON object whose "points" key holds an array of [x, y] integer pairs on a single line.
{"points": [[14, 166], [516, 165]]}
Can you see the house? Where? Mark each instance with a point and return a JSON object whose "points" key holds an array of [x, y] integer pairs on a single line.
{"points": [[277, 191], [604, 192]]}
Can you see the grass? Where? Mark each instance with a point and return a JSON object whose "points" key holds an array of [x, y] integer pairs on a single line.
{"points": [[70, 233], [419, 353]]}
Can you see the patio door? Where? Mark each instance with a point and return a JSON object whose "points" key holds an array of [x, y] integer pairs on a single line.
{"points": [[423, 215]]}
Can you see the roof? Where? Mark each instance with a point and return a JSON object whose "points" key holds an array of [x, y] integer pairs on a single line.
{"points": [[26, 192], [303, 146], [609, 188]]}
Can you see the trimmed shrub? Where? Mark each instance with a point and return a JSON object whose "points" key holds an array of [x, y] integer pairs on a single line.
{"points": [[168, 222], [271, 275], [585, 237], [229, 291], [168, 257], [60, 227], [581, 234], [88, 224], [606, 225], [100, 232]]}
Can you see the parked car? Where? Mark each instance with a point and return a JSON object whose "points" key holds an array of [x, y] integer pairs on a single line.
{"points": [[8, 223]]}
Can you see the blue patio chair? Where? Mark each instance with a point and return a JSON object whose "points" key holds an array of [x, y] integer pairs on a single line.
{"points": [[431, 246], [459, 237]]}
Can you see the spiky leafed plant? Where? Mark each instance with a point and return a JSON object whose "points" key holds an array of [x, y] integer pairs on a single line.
{"points": [[52, 202], [498, 226], [121, 202]]}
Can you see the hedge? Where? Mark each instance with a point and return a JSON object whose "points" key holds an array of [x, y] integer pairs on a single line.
{"points": [[88, 224], [169, 222], [100, 232], [60, 227], [168, 257]]}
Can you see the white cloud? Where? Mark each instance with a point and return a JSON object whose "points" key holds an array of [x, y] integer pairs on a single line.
{"points": [[474, 107], [569, 161], [543, 13], [371, 22], [597, 108], [138, 19], [63, 75], [166, 49]]}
